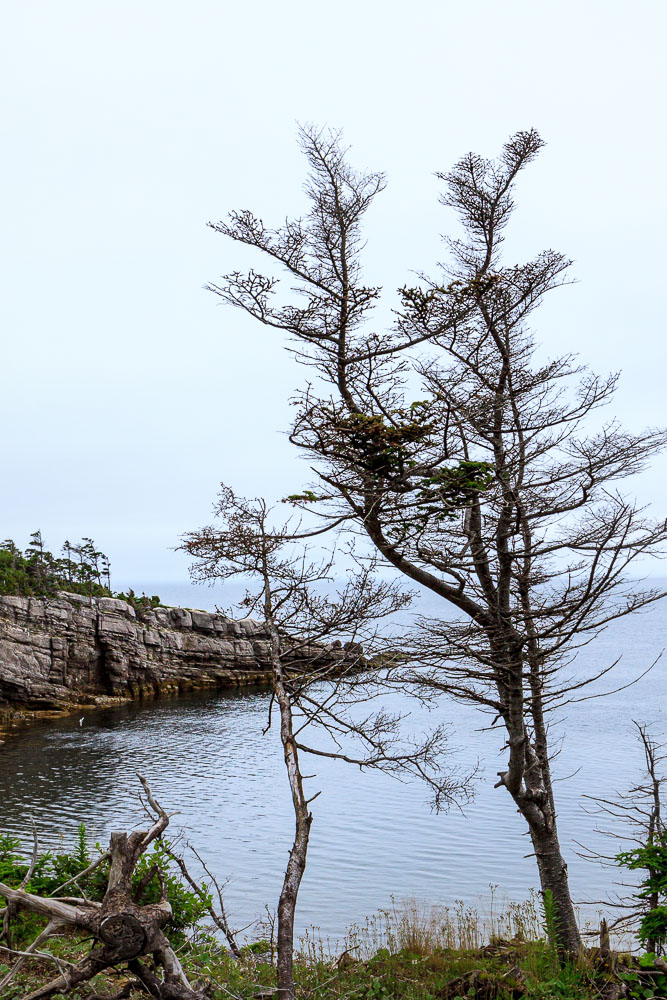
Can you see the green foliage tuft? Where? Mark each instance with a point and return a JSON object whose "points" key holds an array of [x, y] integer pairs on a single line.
{"points": [[143, 603], [187, 907], [651, 858]]}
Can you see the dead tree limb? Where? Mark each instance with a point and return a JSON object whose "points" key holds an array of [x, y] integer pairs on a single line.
{"points": [[219, 916], [123, 931]]}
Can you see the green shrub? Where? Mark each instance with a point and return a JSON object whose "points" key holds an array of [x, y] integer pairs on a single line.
{"points": [[652, 890], [143, 603], [52, 870]]}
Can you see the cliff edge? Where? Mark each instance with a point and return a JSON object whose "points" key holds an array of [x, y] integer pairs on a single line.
{"points": [[57, 653]]}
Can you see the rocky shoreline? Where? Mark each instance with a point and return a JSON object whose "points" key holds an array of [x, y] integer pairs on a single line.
{"points": [[60, 654]]}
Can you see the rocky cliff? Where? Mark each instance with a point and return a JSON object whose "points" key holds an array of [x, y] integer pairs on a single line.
{"points": [[67, 651]]}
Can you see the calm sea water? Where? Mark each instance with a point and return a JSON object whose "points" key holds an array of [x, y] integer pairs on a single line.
{"points": [[372, 837]]}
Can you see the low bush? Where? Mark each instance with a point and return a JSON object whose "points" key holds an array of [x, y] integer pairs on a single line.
{"points": [[52, 869]]}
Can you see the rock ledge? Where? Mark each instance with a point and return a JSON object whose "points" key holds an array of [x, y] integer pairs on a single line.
{"points": [[58, 653]]}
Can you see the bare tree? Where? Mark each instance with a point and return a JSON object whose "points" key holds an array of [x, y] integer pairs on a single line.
{"points": [[489, 489], [314, 685]]}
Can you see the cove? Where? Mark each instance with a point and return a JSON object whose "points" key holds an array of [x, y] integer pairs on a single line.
{"points": [[372, 837]]}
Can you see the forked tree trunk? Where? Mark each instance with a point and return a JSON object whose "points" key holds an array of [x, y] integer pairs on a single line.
{"points": [[528, 780], [535, 801]]}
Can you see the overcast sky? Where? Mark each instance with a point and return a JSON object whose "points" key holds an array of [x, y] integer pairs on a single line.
{"points": [[127, 391]]}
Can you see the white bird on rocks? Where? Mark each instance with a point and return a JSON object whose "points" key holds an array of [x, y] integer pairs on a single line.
{"points": [[81, 720]]}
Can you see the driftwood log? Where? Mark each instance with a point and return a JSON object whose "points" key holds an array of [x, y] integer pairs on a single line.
{"points": [[124, 932]]}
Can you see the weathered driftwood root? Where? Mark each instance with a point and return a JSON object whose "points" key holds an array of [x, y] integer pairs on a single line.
{"points": [[123, 930]]}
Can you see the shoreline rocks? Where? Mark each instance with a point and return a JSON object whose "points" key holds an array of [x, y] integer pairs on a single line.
{"points": [[58, 654]]}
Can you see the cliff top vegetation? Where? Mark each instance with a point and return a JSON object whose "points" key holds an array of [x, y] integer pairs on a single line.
{"points": [[80, 569], [37, 572]]}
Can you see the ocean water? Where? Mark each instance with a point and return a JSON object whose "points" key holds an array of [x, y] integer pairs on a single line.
{"points": [[373, 837]]}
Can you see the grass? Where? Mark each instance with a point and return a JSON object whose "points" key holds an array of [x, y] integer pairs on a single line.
{"points": [[407, 952], [415, 927]]}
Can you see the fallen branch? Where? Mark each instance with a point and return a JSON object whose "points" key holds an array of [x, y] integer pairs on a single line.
{"points": [[123, 931]]}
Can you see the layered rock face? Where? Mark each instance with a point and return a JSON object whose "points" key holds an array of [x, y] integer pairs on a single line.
{"points": [[56, 653]]}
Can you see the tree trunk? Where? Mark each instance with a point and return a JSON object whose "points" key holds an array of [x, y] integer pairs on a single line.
{"points": [[554, 880], [287, 906], [528, 780], [303, 819]]}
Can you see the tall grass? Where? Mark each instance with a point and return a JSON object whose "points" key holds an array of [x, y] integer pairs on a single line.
{"points": [[423, 929]]}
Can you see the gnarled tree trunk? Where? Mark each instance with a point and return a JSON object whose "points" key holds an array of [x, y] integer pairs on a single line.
{"points": [[123, 931]]}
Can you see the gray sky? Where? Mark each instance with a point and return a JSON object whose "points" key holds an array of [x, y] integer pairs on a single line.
{"points": [[127, 391]]}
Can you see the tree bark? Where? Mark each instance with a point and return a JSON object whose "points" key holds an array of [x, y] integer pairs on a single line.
{"points": [[287, 907], [554, 880]]}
